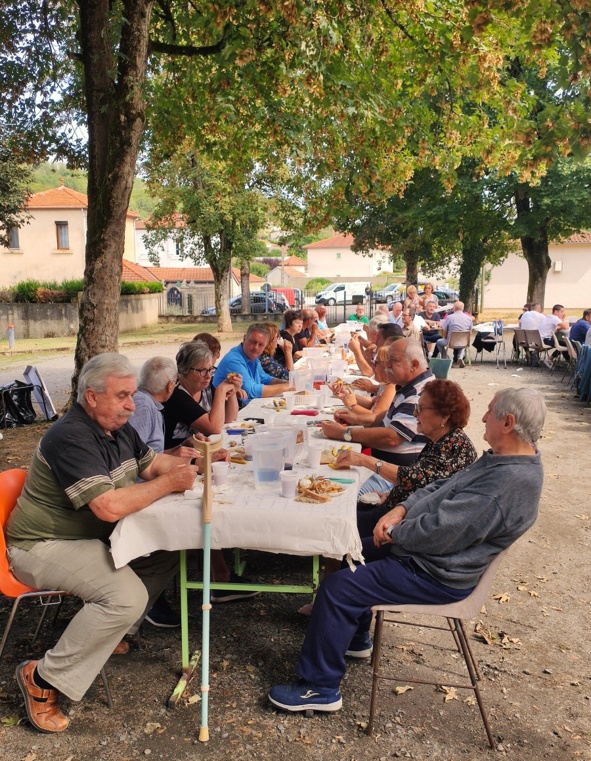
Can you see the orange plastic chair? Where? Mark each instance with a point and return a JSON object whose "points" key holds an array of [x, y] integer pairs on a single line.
{"points": [[11, 485]]}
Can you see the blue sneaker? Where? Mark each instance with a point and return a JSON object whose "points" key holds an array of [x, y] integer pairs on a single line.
{"points": [[361, 646], [303, 696]]}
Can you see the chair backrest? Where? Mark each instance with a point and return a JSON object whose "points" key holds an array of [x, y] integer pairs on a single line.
{"points": [[440, 367], [572, 352], [459, 339], [498, 328], [578, 346], [520, 338], [534, 339], [11, 485], [556, 343]]}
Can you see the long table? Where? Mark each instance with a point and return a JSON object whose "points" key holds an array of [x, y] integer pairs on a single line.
{"points": [[248, 519]]}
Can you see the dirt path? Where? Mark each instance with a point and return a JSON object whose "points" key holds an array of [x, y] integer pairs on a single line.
{"points": [[537, 672]]}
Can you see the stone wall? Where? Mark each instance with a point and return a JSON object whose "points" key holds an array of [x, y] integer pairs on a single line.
{"points": [[50, 320]]}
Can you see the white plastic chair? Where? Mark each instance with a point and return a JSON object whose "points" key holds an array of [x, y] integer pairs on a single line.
{"points": [[455, 613]]}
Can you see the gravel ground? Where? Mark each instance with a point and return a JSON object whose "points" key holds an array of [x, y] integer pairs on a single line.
{"points": [[536, 670]]}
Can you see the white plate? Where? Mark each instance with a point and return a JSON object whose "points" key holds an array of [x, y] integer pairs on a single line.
{"points": [[343, 488]]}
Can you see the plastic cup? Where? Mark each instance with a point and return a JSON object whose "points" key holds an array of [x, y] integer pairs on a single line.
{"points": [[220, 472], [289, 397], [270, 418], [247, 448], [289, 483], [314, 454]]}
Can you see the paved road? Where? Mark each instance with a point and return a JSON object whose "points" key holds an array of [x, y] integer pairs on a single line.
{"points": [[57, 369]]}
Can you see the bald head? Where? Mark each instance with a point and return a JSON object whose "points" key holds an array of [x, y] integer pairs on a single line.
{"points": [[458, 306]]}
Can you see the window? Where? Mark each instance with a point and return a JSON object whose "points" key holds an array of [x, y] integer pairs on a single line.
{"points": [[13, 241], [63, 239], [338, 255], [179, 250]]}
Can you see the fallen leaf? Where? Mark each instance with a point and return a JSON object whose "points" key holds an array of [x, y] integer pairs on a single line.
{"points": [[502, 597], [533, 593], [151, 727], [402, 690], [10, 721], [522, 589], [225, 665], [581, 516], [450, 693], [194, 699], [470, 700]]}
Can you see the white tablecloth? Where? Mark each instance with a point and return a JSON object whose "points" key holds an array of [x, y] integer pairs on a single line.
{"points": [[246, 518]]}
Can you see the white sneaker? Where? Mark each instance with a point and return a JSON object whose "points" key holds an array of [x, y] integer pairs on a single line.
{"points": [[548, 363]]}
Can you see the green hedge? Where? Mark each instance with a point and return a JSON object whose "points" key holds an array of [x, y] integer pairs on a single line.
{"points": [[43, 292]]}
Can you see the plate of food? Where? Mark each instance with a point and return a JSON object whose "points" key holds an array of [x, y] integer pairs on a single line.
{"points": [[317, 490], [275, 404], [330, 455]]}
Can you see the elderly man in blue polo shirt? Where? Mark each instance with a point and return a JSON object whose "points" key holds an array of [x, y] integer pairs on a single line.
{"points": [[244, 360]]}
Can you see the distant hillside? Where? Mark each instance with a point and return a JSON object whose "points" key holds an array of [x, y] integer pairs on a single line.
{"points": [[47, 176]]}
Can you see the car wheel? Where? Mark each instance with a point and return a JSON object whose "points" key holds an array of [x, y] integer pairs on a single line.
{"points": [[331, 302]]}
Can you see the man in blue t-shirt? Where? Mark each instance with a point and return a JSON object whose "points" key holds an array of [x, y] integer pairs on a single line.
{"points": [[578, 331], [244, 360]]}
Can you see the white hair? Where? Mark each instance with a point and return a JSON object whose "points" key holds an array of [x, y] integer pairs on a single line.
{"points": [[95, 372], [527, 406], [156, 374]]}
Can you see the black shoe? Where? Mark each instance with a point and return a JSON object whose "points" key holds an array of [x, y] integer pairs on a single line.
{"points": [[233, 595], [163, 616]]}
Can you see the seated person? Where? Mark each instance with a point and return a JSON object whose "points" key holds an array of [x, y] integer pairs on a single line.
{"points": [[193, 407], [442, 413], [409, 329], [412, 298], [358, 315], [294, 324], [82, 480], [370, 407], [432, 548], [396, 313], [428, 295], [364, 349], [308, 335], [578, 331], [393, 437], [531, 317], [268, 362], [551, 323], [324, 333], [431, 332], [457, 322], [244, 360]]}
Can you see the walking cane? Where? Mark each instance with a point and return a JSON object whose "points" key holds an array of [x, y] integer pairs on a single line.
{"points": [[207, 448]]}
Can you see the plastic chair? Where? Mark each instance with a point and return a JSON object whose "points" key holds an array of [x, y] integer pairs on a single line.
{"points": [[454, 613], [535, 343], [495, 339], [519, 343], [440, 367], [560, 353], [460, 339], [572, 360], [11, 485]]}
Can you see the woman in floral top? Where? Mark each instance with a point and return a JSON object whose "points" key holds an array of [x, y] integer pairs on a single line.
{"points": [[267, 359], [442, 413]]}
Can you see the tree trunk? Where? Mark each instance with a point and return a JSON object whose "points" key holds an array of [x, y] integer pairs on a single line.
{"points": [[472, 259], [113, 86], [222, 272], [535, 249], [245, 286], [412, 267]]}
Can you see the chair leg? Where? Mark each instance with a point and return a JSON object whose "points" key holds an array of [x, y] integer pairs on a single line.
{"points": [[470, 665], [377, 647], [107, 688], [8, 626]]}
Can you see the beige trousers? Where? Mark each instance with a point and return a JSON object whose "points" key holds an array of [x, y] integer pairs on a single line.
{"points": [[115, 602]]}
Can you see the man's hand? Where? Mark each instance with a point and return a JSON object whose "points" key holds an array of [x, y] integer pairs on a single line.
{"points": [[222, 455], [393, 518], [182, 451], [181, 477], [348, 417], [333, 430]]}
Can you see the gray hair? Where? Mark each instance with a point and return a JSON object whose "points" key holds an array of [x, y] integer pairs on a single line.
{"points": [[528, 407], [413, 351], [258, 327], [156, 374], [95, 372], [190, 354], [377, 319], [432, 301]]}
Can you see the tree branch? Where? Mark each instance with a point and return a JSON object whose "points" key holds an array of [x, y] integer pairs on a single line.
{"points": [[156, 46]]}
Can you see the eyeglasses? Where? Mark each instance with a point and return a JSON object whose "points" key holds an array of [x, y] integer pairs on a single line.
{"points": [[420, 407], [205, 371]]}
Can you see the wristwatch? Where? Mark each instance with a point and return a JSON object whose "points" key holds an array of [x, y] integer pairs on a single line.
{"points": [[379, 464], [347, 434]]}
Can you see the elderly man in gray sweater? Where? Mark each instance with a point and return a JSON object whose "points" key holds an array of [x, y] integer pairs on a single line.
{"points": [[431, 549]]}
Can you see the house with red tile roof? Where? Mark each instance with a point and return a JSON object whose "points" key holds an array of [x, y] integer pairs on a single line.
{"points": [[51, 245]]}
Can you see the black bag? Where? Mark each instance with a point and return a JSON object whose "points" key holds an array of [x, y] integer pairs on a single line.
{"points": [[16, 407]]}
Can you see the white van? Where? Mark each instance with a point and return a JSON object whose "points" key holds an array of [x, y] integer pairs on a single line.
{"points": [[341, 293]]}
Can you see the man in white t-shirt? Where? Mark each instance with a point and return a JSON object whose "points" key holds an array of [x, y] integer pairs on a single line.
{"points": [[551, 323], [531, 318]]}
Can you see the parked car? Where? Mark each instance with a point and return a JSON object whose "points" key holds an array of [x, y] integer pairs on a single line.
{"points": [[259, 303], [342, 293], [388, 294]]}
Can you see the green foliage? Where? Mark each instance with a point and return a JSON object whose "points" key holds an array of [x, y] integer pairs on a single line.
{"points": [[72, 287], [133, 289], [26, 291], [317, 284], [260, 269], [14, 179]]}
